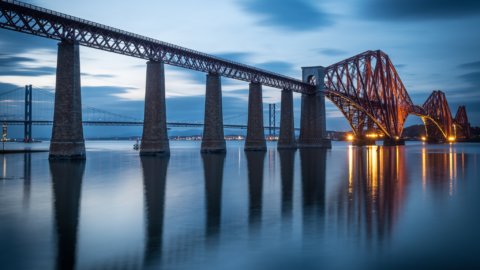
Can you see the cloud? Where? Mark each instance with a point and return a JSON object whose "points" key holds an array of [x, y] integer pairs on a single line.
{"points": [[234, 56], [192, 108], [277, 67], [332, 52], [101, 76], [10, 61], [15, 43], [30, 71], [7, 87], [418, 9], [196, 76], [472, 78], [470, 65], [21, 66], [290, 15]]}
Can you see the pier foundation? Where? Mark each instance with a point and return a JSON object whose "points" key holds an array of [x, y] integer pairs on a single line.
{"points": [[67, 132], [155, 138]]}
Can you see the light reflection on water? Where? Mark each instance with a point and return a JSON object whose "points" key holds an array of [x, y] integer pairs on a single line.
{"points": [[344, 208]]}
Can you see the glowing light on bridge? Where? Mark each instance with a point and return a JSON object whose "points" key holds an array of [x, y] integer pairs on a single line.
{"points": [[451, 139], [350, 137]]}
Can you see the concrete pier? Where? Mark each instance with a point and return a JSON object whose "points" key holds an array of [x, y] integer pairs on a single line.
{"points": [[67, 133], [255, 140], [286, 139], [213, 139], [313, 133], [155, 138]]}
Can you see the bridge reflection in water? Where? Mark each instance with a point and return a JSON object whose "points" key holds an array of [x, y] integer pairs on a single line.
{"points": [[66, 183], [365, 202], [368, 201]]}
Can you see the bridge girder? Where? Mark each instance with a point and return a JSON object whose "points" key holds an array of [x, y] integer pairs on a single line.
{"points": [[30, 19]]}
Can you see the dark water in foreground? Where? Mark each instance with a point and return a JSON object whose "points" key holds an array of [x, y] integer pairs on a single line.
{"points": [[412, 207]]}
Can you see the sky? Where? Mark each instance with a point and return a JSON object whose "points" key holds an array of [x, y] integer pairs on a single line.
{"points": [[433, 44]]}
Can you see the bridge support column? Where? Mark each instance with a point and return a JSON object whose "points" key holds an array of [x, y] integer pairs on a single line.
{"points": [[286, 139], [213, 139], [67, 132], [154, 137], [255, 140], [313, 133]]}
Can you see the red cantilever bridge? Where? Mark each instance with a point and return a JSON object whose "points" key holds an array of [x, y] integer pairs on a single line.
{"points": [[366, 88], [368, 91]]}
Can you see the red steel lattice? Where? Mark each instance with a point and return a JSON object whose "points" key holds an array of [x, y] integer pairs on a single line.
{"points": [[369, 92], [461, 123]]}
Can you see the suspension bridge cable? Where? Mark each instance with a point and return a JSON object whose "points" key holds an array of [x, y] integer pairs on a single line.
{"points": [[11, 91]]}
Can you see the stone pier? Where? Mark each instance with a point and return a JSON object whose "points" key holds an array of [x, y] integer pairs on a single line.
{"points": [[67, 133], [155, 138], [286, 139], [255, 140], [213, 137], [313, 133]]}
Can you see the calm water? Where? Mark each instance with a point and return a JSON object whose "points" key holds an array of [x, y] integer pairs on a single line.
{"points": [[346, 208]]}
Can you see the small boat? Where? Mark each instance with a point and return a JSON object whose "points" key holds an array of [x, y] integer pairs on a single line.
{"points": [[136, 146]]}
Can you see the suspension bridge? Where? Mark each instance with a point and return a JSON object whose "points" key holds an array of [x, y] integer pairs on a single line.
{"points": [[366, 88], [29, 106]]}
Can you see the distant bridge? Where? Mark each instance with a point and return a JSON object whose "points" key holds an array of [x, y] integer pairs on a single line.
{"points": [[18, 102]]}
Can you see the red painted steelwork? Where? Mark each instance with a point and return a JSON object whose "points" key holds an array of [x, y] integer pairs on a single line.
{"points": [[369, 92], [461, 123]]}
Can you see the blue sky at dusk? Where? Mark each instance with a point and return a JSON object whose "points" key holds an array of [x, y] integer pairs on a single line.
{"points": [[433, 43]]}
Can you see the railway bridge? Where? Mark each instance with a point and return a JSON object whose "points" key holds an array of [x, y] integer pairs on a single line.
{"points": [[366, 88]]}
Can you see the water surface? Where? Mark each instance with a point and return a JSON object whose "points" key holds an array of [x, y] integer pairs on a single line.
{"points": [[345, 208]]}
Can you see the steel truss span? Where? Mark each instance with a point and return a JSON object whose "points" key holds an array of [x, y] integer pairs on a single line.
{"points": [[461, 122], [366, 88], [38, 21], [369, 92]]}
